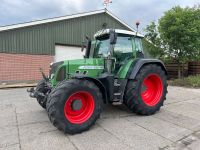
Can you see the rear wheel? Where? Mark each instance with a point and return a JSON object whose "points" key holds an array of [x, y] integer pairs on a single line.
{"points": [[74, 106], [147, 92]]}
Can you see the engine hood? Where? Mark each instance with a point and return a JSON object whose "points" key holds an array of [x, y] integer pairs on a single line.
{"points": [[91, 67]]}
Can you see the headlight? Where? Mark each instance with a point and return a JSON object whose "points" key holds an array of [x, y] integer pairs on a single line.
{"points": [[61, 75], [54, 67]]}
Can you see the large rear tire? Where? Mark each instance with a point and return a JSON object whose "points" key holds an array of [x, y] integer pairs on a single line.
{"points": [[74, 105], [41, 87], [147, 92]]}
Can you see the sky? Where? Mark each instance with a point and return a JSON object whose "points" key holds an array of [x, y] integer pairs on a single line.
{"points": [[129, 11]]}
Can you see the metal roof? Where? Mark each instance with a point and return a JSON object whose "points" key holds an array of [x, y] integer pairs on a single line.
{"points": [[120, 31], [38, 22]]}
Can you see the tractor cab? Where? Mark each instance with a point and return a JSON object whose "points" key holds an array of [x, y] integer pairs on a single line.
{"points": [[126, 43], [118, 45]]}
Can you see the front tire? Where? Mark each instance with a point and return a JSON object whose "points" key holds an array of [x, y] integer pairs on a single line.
{"points": [[147, 92], [74, 105]]}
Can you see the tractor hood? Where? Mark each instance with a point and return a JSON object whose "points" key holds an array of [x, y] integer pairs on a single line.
{"points": [[91, 67]]}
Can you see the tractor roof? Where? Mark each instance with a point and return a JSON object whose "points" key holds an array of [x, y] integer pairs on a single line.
{"points": [[120, 31]]}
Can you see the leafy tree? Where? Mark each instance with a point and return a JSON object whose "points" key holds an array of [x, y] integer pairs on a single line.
{"points": [[179, 30], [153, 41]]}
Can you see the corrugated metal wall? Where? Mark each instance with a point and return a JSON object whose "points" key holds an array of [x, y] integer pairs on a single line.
{"points": [[41, 39]]}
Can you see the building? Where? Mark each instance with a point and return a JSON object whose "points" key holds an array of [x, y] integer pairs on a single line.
{"points": [[26, 47]]}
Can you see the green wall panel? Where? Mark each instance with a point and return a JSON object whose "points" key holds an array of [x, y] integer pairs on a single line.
{"points": [[41, 39]]}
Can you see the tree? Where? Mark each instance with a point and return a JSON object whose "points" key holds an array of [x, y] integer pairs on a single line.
{"points": [[153, 41], [179, 31]]}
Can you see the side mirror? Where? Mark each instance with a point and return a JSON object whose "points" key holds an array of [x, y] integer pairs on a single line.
{"points": [[87, 52], [113, 37], [84, 45]]}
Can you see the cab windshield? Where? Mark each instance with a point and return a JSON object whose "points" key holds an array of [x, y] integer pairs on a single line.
{"points": [[101, 47]]}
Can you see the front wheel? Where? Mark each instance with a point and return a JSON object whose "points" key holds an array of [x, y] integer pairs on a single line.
{"points": [[147, 92], [74, 105], [41, 87]]}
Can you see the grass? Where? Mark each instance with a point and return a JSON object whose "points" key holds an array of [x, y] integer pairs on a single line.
{"points": [[191, 81]]}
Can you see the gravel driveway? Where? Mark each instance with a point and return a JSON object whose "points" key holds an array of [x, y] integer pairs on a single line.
{"points": [[25, 125]]}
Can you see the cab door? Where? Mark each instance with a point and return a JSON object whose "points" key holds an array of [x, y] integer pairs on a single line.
{"points": [[123, 51]]}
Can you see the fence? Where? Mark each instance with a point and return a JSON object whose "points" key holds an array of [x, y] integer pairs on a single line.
{"points": [[191, 68], [172, 69]]}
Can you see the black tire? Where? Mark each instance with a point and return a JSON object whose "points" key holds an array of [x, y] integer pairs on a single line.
{"points": [[61, 94], [133, 95], [41, 88]]}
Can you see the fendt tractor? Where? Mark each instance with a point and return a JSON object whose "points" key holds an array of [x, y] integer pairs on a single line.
{"points": [[113, 70]]}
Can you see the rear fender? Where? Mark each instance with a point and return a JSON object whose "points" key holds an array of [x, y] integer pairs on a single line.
{"points": [[142, 62]]}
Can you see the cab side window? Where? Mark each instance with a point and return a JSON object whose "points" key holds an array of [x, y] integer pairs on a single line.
{"points": [[138, 48], [138, 45]]}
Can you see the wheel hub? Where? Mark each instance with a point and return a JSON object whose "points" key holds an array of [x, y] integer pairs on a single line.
{"points": [[76, 104], [79, 107], [152, 90]]}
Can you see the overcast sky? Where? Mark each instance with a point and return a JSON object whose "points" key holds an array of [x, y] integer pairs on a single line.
{"points": [[18, 11]]}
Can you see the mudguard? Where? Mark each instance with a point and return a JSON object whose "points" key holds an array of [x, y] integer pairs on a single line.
{"points": [[140, 63], [99, 84]]}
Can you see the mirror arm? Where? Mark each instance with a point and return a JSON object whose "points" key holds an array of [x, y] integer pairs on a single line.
{"points": [[88, 47]]}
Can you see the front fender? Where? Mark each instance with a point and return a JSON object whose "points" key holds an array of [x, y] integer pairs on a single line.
{"points": [[97, 82]]}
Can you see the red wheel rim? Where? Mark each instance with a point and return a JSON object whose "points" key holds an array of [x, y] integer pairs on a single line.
{"points": [[79, 114], [152, 90]]}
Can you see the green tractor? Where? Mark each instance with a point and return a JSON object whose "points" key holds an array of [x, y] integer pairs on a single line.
{"points": [[113, 70]]}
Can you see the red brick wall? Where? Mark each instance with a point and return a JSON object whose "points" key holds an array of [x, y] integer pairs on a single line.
{"points": [[22, 67]]}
